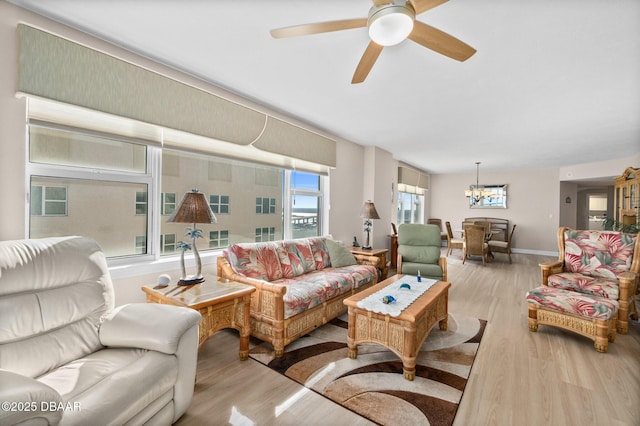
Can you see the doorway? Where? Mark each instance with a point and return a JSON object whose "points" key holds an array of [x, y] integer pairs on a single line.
{"points": [[597, 210]]}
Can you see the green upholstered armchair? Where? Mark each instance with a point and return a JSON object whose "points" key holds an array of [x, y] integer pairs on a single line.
{"points": [[419, 250]]}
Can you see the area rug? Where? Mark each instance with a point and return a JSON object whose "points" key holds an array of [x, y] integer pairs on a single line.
{"points": [[373, 385]]}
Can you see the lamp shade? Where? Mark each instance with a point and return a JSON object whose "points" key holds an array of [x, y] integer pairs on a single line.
{"points": [[193, 208], [369, 211]]}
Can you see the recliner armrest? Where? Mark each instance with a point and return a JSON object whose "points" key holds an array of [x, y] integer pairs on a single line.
{"points": [[26, 400], [147, 326]]}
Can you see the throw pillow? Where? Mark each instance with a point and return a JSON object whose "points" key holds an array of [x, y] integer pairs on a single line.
{"points": [[340, 255]]}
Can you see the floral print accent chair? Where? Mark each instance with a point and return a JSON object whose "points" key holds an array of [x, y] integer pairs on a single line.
{"points": [[605, 264]]}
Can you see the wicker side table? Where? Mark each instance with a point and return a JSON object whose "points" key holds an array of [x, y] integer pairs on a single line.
{"points": [[221, 304]]}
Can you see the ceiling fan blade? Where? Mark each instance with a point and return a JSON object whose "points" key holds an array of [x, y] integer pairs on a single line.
{"points": [[320, 27], [423, 5], [381, 2], [441, 42], [366, 62]]}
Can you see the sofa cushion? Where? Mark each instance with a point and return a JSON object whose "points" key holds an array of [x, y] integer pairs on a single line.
{"points": [[602, 287], [255, 260], [320, 252], [314, 288], [96, 384], [420, 254], [295, 257], [430, 271], [598, 253], [573, 303], [339, 254], [416, 234]]}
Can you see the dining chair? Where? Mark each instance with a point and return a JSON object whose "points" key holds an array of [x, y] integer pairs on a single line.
{"points": [[452, 243], [438, 223], [487, 228], [502, 246], [474, 243]]}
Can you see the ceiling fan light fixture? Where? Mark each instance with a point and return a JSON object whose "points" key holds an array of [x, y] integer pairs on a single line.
{"points": [[390, 24]]}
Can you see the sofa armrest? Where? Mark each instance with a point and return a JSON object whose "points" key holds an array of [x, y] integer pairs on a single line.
{"points": [[147, 326], [363, 259], [627, 281], [549, 268], [628, 276], [27, 401]]}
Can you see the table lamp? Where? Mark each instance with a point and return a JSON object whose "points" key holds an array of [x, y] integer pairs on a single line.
{"points": [[368, 212], [193, 208]]}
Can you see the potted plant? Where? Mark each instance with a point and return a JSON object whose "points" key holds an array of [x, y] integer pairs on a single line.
{"points": [[611, 224]]}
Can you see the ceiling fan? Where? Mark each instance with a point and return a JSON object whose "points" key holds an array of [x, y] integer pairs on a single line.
{"points": [[389, 23]]}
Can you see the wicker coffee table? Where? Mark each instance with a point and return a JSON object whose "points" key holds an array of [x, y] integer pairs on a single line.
{"points": [[403, 334]]}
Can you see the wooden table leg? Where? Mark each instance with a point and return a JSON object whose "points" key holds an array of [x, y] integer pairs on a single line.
{"points": [[444, 323], [245, 329], [351, 334]]}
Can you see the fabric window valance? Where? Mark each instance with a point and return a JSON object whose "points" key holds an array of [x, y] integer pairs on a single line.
{"points": [[58, 69]]}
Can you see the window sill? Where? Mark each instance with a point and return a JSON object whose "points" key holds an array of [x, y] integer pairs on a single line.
{"points": [[163, 265]]}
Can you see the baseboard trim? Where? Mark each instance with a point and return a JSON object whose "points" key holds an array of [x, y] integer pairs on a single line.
{"points": [[538, 252]]}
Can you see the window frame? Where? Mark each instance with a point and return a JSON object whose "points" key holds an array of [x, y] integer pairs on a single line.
{"points": [[151, 178]]}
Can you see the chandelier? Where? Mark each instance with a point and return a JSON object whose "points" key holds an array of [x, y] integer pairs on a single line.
{"points": [[477, 193]]}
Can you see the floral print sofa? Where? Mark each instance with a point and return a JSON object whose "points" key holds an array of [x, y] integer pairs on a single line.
{"points": [[297, 287], [604, 264]]}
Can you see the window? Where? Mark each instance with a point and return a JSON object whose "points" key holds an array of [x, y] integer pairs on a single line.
{"points": [[108, 187], [102, 212], [48, 200], [265, 205], [168, 203], [141, 202], [265, 234], [219, 239], [141, 244], [410, 208], [167, 243], [306, 204], [84, 183], [219, 204], [236, 216]]}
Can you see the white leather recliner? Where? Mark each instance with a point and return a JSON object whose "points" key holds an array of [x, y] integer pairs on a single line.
{"points": [[68, 357]]}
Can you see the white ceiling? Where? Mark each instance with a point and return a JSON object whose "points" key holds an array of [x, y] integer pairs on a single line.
{"points": [[553, 83]]}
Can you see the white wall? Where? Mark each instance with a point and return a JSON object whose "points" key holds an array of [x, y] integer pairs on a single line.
{"points": [[532, 204], [600, 169], [12, 131], [568, 211], [346, 197]]}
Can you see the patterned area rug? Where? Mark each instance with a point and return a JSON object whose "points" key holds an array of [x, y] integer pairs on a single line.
{"points": [[373, 385]]}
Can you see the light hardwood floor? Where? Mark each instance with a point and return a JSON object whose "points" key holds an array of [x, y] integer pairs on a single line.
{"points": [[552, 377]]}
